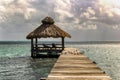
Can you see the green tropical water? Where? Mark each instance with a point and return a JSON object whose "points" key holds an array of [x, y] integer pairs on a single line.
{"points": [[16, 63]]}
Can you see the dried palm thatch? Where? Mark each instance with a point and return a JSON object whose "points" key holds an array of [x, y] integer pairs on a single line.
{"points": [[47, 29]]}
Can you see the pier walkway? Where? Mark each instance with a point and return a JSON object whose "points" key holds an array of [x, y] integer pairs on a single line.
{"points": [[72, 65]]}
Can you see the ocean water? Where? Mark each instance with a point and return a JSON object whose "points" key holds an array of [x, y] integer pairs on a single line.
{"points": [[16, 63], [107, 57]]}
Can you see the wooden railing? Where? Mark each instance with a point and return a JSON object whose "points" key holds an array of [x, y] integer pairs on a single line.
{"points": [[48, 47], [48, 44]]}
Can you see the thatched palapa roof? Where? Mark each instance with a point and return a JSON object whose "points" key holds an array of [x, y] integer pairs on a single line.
{"points": [[47, 29]]}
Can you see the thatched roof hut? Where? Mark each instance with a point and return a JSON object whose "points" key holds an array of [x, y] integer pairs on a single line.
{"points": [[48, 29], [45, 30]]}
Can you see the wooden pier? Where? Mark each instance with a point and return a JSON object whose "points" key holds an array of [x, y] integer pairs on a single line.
{"points": [[72, 65]]}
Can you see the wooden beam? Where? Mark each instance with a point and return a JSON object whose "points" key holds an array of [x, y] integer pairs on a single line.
{"points": [[63, 43]]}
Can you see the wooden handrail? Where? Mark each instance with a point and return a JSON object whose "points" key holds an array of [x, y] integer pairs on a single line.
{"points": [[48, 47], [48, 44]]}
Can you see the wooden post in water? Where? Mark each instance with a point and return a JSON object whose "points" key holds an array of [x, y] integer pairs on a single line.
{"points": [[32, 47], [36, 46], [36, 43], [63, 43]]}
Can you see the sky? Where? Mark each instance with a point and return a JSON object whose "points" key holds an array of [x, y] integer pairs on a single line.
{"points": [[84, 20]]}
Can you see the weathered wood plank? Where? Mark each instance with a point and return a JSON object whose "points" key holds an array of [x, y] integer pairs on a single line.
{"points": [[78, 78], [67, 65], [76, 61], [76, 71], [75, 64], [77, 74], [74, 68]]}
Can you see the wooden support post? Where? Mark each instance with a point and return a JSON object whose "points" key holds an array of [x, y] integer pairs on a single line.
{"points": [[36, 43], [63, 43], [32, 48], [36, 46], [43, 78]]}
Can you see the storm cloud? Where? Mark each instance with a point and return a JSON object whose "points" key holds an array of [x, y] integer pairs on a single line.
{"points": [[85, 20]]}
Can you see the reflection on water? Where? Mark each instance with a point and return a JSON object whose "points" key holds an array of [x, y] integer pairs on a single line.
{"points": [[24, 68]]}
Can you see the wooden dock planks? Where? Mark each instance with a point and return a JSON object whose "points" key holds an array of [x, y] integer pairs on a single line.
{"points": [[76, 67]]}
